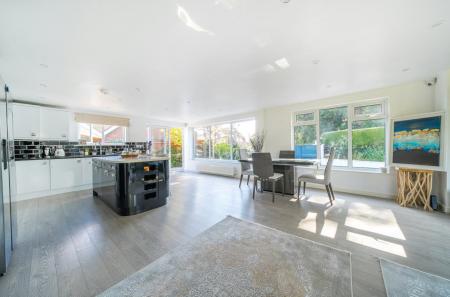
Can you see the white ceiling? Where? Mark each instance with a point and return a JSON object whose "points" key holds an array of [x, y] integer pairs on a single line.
{"points": [[189, 60]]}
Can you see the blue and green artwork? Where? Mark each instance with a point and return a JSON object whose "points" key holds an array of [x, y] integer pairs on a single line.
{"points": [[417, 141]]}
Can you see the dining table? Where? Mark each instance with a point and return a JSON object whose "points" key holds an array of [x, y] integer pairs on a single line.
{"points": [[286, 166]]}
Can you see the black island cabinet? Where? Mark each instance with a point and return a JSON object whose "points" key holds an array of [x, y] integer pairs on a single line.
{"points": [[131, 186]]}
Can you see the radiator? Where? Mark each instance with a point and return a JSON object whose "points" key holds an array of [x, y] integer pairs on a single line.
{"points": [[216, 169]]}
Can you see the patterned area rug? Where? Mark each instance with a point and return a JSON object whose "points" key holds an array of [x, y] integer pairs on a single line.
{"points": [[403, 281], [239, 258]]}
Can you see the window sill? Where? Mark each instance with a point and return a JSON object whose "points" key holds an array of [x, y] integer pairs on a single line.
{"points": [[360, 170]]}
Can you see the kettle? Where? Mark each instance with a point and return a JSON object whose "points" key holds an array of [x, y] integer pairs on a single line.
{"points": [[59, 152]]}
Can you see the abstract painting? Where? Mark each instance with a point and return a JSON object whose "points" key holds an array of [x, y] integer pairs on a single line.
{"points": [[417, 141]]}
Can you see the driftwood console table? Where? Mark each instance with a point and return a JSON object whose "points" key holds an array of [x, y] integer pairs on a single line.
{"points": [[414, 187]]}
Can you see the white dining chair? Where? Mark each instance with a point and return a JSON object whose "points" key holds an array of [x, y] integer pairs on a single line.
{"points": [[324, 179], [246, 167]]}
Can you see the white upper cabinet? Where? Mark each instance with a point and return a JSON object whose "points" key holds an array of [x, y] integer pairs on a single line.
{"points": [[55, 124], [26, 121]]}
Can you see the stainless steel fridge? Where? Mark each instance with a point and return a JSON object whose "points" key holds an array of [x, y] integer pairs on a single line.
{"points": [[8, 213]]}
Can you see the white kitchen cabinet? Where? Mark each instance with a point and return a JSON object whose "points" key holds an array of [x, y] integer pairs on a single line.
{"points": [[54, 124], [87, 171], [73, 128], [32, 176], [66, 173], [26, 121]]}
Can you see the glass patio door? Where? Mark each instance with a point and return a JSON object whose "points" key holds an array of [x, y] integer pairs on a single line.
{"points": [[168, 141], [176, 148]]}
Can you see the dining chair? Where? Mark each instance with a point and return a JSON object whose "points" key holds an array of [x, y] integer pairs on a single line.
{"points": [[263, 171], [246, 167], [324, 179]]}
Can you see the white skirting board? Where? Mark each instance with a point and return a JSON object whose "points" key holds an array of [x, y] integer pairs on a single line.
{"points": [[27, 196]]}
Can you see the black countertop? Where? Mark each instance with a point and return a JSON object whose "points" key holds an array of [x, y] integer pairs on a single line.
{"points": [[68, 157]]}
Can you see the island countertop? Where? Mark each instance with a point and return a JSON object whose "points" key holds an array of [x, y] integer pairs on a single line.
{"points": [[140, 159]]}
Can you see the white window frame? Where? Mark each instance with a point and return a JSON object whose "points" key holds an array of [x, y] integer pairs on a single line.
{"points": [[149, 136], [103, 134], [351, 117], [230, 140]]}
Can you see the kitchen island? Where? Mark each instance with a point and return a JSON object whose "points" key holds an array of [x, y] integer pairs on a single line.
{"points": [[131, 185]]}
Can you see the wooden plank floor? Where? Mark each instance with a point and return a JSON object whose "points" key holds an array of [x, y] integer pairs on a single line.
{"points": [[73, 245]]}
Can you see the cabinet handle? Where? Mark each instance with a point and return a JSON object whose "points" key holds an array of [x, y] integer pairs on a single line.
{"points": [[63, 136], [33, 134], [79, 161]]}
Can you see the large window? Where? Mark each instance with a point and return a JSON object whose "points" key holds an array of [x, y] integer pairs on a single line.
{"points": [[220, 141], [223, 141], [333, 131], [357, 132], [202, 142], [241, 132], [106, 134]]}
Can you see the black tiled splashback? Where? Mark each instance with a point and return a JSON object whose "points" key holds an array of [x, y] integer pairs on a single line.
{"points": [[34, 149]]}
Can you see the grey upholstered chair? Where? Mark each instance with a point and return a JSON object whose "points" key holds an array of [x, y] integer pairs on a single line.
{"points": [[263, 171], [324, 179], [287, 155], [246, 167]]}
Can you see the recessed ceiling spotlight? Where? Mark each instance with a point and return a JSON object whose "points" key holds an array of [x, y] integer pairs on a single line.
{"points": [[316, 61], [43, 65], [138, 90], [166, 109], [406, 69], [188, 101], [328, 86], [282, 63], [437, 24], [43, 85], [104, 91]]}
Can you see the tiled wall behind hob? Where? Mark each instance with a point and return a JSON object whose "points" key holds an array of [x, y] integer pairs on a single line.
{"points": [[33, 149]]}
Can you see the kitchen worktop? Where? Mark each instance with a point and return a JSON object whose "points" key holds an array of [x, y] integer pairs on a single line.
{"points": [[119, 159], [68, 157]]}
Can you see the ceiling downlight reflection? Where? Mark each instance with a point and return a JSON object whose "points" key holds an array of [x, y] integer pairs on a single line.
{"points": [[184, 16], [283, 63]]}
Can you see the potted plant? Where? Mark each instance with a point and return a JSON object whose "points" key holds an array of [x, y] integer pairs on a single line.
{"points": [[257, 141]]}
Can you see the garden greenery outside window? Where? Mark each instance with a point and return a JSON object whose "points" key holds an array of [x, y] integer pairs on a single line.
{"points": [[104, 134], [357, 131], [223, 141]]}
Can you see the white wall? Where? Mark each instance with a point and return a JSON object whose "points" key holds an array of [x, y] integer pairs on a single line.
{"points": [[137, 131], [405, 99], [218, 166], [442, 102]]}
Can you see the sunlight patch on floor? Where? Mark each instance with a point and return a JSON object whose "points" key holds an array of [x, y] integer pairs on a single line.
{"points": [[309, 223], [375, 243], [329, 229], [381, 221]]}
